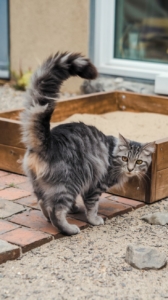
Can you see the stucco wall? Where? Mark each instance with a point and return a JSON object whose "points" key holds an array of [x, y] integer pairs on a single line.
{"points": [[41, 27]]}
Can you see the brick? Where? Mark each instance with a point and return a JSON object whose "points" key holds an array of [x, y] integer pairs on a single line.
{"points": [[8, 251], [3, 173], [80, 224], [30, 201], [8, 208], [2, 187], [25, 186], [12, 179], [105, 195], [13, 193], [135, 204], [111, 209], [26, 238], [34, 219], [81, 216], [107, 209], [6, 226]]}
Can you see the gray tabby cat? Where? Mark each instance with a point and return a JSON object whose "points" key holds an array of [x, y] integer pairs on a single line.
{"points": [[72, 159]]}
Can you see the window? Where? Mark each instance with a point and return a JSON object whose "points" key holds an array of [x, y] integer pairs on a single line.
{"points": [[130, 37], [4, 39]]}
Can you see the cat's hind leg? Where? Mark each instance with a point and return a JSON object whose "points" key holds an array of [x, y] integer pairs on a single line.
{"points": [[44, 210], [91, 201], [75, 208], [57, 214]]}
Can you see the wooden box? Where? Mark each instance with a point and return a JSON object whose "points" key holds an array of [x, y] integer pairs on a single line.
{"points": [[156, 185]]}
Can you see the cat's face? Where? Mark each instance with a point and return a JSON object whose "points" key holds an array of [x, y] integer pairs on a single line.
{"points": [[133, 158]]}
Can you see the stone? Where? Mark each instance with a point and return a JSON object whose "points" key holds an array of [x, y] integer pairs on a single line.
{"points": [[8, 208], [118, 80], [141, 257], [8, 251], [158, 218]]}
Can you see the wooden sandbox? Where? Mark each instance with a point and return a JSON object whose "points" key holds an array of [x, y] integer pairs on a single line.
{"points": [[154, 188]]}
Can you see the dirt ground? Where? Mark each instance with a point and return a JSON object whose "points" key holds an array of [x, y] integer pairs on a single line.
{"points": [[91, 265]]}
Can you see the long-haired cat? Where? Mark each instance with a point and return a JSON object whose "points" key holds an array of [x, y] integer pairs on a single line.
{"points": [[72, 159]]}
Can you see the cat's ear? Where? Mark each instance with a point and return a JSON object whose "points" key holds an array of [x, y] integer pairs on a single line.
{"points": [[149, 148], [123, 142]]}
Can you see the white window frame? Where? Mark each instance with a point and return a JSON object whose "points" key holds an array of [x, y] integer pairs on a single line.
{"points": [[104, 48]]}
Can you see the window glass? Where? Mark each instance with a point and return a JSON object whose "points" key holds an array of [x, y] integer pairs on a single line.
{"points": [[4, 39], [141, 30]]}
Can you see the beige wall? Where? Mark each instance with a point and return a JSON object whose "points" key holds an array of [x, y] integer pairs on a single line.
{"points": [[42, 27]]}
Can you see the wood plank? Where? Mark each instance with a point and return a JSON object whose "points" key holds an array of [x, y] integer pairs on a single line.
{"points": [[11, 114], [97, 103], [10, 133], [132, 189], [162, 184], [151, 187], [162, 154], [142, 103], [11, 159]]}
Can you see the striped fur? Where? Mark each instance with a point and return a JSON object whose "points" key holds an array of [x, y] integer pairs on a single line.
{"points": [[71, 159]]}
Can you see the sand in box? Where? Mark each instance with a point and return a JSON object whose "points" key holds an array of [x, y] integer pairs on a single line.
{"points": [[140, 127]]}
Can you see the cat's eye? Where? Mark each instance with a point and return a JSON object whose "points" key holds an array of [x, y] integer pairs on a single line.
{"points": [[139, 162], [124, 158]]}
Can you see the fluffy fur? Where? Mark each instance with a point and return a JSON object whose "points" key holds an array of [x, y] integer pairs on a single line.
{"points": [[71, 159]]}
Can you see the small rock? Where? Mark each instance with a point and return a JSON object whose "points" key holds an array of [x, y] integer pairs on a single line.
{"points": [[118, 80], [157, 218], [127, 269], [142, 257]]}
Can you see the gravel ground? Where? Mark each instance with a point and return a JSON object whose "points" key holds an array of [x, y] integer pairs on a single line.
{"points": [[91, 265], [12, 99]]}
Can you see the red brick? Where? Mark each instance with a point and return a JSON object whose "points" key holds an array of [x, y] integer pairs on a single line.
{"points": [[13, 194], [6, 226], [25, 186], [2, 187], [80, 224], [26, 238], [35, 220], [8, 251], [105, 195], [30, 201], [3, 173], [12, 179], [111, 209], [135, 204], [81, 214]]}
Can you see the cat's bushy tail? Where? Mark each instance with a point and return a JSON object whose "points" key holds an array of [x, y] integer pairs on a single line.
{"points": [[44, 89]]}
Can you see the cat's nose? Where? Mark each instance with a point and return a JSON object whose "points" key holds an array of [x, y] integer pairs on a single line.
{"points": [[130, 169]]}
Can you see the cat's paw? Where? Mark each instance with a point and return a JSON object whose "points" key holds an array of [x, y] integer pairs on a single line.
{"points": [[97, 220], [71, 230]]}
